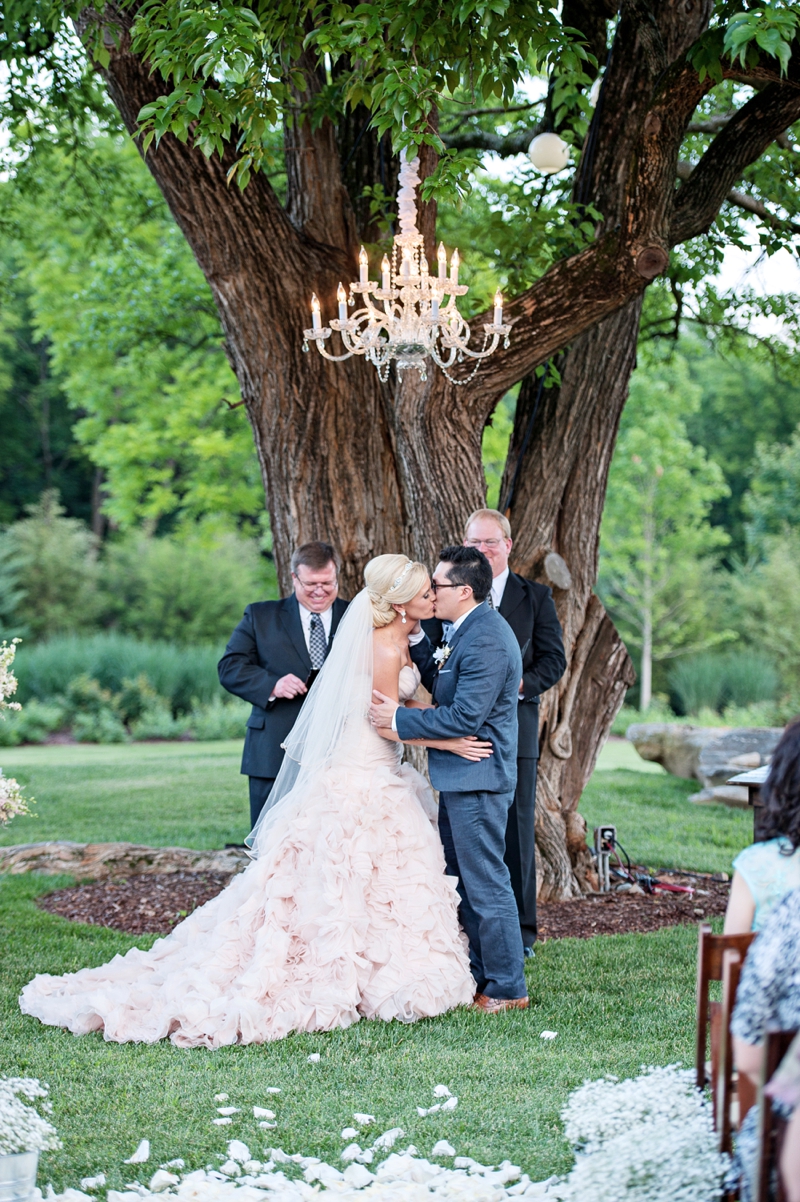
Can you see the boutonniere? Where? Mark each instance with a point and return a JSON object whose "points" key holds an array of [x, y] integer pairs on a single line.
{"points": [[441, 655]]}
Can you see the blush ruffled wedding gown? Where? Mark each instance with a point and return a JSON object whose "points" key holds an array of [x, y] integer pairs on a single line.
{"points": [[347, 914]]}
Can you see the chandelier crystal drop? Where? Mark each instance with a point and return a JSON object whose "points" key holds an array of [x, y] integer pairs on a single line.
{"points": [[411, 316]]}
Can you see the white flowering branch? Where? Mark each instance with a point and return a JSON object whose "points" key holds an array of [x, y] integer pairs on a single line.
{"points": [[22, 1128], [12, 802]]}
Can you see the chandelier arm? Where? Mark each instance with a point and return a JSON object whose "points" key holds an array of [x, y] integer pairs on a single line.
{"points": [[336, 358]]}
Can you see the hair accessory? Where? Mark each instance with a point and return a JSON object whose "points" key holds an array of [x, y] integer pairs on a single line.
{"points": [[402, 575]]}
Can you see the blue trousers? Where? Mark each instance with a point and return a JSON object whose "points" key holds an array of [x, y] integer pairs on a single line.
{"points": [[473, 831]]}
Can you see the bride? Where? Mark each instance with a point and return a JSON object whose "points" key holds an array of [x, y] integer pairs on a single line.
{"points": [[345, 911]]}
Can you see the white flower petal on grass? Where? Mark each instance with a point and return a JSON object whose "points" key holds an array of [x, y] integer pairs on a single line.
{"points": [[364, 1120], [222, 1122], [252, 1166], [314, 1058], [443, 1148], [260, 1112], [548, 1034], [349, 1132], [441, 1091], [265, 1126], [388, 1139], [238, 1151], [177, 1163], [93, 1182], [422, 1112], [142, 1153], [351, 1152], [220, 1097], [450, 1104], [227, 1110], [230, 1168], [161, 1180], [272, 1089], [358, 1176]]}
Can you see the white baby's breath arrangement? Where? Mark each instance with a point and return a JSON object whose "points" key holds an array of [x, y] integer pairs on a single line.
{"points": [[650, 1139], [22, 1128], [12, 802]]}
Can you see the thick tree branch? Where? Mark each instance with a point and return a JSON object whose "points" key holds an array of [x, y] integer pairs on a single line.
{"points": [[506, 145], [748, 203], [743, 140]]}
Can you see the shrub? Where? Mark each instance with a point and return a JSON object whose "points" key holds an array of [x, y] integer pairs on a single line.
{"points": [[53, 561], [181, 675], [219, 720], [157, 722], [740, 678], [190, 590], [135, 698], [32, 724], [101, 727]]}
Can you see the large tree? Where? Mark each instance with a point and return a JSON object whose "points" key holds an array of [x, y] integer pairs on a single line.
{"points": [[376, 465]]}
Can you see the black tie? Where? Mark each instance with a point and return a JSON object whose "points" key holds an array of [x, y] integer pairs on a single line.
{"points": [[317, 643]]}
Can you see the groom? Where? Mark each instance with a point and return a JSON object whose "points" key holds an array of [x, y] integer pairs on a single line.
{"points": [[475, 692]]}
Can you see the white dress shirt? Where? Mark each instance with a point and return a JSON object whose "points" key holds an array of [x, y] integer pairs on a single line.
{"points": [[499, 587]]}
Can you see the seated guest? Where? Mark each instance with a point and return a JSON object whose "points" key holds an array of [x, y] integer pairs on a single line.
{"points": [[768, 997], [765, 872]]}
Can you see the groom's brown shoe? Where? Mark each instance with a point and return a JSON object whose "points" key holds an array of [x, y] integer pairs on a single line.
{"points": [[496, 1005]]}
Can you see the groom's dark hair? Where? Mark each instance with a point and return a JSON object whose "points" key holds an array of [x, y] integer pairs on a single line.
{"points": [[469, 566]]}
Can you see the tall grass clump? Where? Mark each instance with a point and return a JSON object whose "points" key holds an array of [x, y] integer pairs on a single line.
{"points": [[181, 675], [738, 678]]}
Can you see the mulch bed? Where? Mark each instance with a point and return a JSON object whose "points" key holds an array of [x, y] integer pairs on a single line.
{"points": [[155, 903], [152, 903], [617, 913]]}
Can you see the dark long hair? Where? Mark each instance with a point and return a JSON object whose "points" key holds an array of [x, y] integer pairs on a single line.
{"points": [[781, 791]]}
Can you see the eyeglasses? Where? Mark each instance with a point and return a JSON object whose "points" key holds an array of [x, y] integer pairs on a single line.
{"points": [[491, 543], [316, 587], [436, 586]]}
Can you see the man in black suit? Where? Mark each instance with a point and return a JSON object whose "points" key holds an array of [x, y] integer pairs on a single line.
{"points": [[272, 657], [529, 610]]}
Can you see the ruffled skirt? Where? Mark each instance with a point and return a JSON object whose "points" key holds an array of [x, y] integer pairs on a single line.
{"points": [[348, 914]]}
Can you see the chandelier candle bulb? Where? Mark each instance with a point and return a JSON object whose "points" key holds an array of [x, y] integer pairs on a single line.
{"points": [[406, 262], [498, 308], [386, 271], [441, 255], [435, 307], [341, 296], [363, 266], [316, 321], [455, 262]]}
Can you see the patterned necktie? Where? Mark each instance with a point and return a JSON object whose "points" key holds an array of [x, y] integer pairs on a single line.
{"points": [[490, 599], [317, 643]]}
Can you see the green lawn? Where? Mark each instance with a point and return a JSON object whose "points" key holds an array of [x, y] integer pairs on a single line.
{"points": [[162, 794], [616, 1002]]}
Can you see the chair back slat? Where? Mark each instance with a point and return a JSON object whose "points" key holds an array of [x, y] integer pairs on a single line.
{"points": [[723, 1087], [710, 952], [771, 1127]]}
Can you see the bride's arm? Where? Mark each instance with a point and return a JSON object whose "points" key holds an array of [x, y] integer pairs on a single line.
{"points": [[386, 679]]}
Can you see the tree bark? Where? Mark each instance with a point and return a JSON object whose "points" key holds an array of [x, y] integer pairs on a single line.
{"points": [[397, 466]]}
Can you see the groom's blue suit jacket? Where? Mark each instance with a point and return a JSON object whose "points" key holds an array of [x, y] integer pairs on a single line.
{"points": [[475, 692]]}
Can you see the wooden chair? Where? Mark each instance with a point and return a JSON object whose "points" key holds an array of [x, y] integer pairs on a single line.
{"points": [[771, 1127], [734, 1094], [710, 951]]}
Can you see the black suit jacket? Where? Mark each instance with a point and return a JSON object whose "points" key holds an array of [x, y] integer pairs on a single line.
{"points": [[268, 643], [530, 612]]}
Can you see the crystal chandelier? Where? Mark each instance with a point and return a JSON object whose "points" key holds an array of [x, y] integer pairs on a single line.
{"points": [[418, 314]]}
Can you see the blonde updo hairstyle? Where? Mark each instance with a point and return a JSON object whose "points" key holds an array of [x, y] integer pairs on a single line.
{"points": [[392, 580]]}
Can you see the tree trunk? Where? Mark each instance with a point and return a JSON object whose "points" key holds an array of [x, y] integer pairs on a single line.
{"points": [[555, 513], [397, 466]]}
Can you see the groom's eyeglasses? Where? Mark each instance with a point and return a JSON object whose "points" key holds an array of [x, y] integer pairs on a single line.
{"points": [[436, 586]]}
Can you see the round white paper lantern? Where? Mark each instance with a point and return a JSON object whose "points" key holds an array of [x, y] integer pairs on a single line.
{"points": [[548, 153]]}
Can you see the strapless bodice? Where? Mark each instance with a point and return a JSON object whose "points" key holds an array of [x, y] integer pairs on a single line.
{"points": [[408, 682]]}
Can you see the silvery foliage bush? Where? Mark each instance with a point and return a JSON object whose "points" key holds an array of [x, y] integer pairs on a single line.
{"points": [[650, 1139], [22, 1128]]}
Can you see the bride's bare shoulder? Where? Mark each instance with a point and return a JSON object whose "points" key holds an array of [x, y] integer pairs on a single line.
{"points": [[385, 647]]}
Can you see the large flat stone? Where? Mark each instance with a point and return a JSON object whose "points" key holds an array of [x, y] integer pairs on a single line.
{"points": [[106, 861], [674, 746]]}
